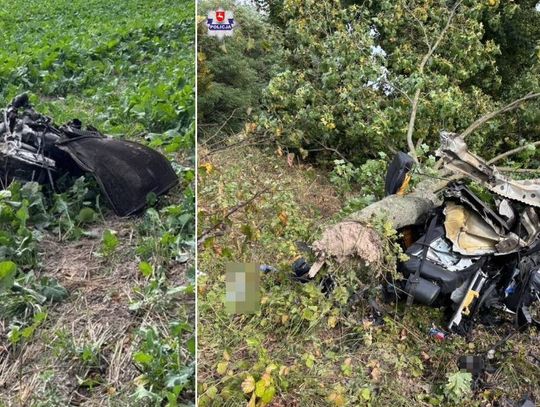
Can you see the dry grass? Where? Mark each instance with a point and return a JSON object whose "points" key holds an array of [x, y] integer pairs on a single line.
{"points": [[51, 369], [396, 361]]}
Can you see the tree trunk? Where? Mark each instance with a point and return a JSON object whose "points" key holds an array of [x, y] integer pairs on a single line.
{"points": [[355, 237], [406, 210]]}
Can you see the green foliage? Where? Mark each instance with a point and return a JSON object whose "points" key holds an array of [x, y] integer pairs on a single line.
{"points": [[343, 175], [109, 242], [7, 275], [168, 233], [458, 386], [165, 375], [349, 78], [232, 72], [24, 212], [128, 69], [75, 209], [131, 64], [17, 334]]}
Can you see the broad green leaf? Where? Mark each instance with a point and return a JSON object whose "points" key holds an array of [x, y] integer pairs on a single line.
{"points": [[8, 269]]}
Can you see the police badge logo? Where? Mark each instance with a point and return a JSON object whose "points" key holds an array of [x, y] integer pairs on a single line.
{"points": [[220, 23]]}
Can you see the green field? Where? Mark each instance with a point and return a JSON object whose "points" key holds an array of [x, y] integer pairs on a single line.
{"points": [[101, 311]]}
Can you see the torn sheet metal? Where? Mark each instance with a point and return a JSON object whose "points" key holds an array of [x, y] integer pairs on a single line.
{"points": [[461, 193], [457, 158], [33, 148], [468, 232]]}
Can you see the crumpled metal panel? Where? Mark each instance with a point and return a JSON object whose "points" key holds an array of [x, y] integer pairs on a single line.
{"points": [[457, 158], [33, 148], [126, 171], [468, 232]]}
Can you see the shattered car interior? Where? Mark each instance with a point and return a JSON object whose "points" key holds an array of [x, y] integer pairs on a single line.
{"points": [[477, 257], [33, 148]]}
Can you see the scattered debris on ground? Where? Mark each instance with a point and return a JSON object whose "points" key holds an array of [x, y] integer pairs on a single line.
{"points": [[33, 148], [466, 255]]}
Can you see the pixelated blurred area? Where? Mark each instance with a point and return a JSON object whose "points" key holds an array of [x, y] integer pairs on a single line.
{"points": [[242, 288]]}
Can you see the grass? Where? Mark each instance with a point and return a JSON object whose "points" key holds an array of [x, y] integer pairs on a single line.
{"points": [[102, 310], [302, 348]]}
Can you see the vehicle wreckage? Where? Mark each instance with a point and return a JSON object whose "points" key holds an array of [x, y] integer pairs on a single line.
{"points": [[467, 255], [33, 148]]}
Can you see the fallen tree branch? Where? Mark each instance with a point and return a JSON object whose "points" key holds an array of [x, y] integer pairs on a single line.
{"points": [[522, 170], [204, 235], [416, 99], [511, 106], [482, 120], [512, 152]]}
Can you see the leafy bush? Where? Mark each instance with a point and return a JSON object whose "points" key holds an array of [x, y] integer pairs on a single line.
{"points": [[165, 374], [350, 77], [232, 72], [458, 387]]}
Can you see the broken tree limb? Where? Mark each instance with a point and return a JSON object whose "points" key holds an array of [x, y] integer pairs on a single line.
{"points": [[206, 233], [355, 236], [484, 119], [512, 152], [406, 210], [416, 99], [519, 170], [487, 117]]}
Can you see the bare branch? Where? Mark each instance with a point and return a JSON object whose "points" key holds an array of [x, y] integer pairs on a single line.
{"points": [[220, 127], [420, 24], [421, 67], [512, 152], [522, 170], [489, 116], [326, 148], [204, 235]]}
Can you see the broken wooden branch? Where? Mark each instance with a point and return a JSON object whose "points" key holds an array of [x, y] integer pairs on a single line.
{"points": [[416, 99], [512, 152], [519, 170], [509, 107], [205, 234]]}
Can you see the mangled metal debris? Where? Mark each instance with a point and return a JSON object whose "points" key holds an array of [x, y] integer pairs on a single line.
{"points": [[471, 256], [457, 158], [33, 148]]}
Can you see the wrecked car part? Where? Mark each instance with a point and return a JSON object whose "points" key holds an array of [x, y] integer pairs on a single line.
{"points": [[468, 232], [427, 256], [469, 300], [33, 148], [471, 234], [461, 193], [398, 174], [524, 290], [423, 291], [126, 171], [507, 211], [457, 158], [266, 268], [504, 238], [300, 269], [526, 402]]}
